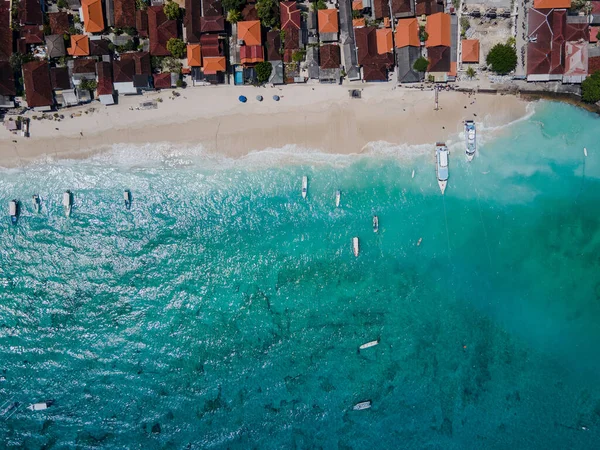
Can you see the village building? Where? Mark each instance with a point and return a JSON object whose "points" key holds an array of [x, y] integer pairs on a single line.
{"points": [[329, 63], [160, 30], [124, 13], [55, 45], [375, 52], [438, 44], [408, 50], [328, 25], [38, 89], [92, 16]]}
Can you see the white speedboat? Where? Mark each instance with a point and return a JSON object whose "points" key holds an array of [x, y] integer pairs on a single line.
{"points": [[362, 405], [470, 136], [355, 246], [40, 406], [67, 203], [13, 209], [127, 197], [419, 241], [441, 165], [338, 194], [375, 224], [584, 151], [304, 186], [413, 173], [37, 203], [369, 344]]}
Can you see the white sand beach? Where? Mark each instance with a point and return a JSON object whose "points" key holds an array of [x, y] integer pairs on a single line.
{"points": [[320, 117]]}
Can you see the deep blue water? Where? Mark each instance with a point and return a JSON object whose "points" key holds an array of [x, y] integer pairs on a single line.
{"points": [[223, 311]]}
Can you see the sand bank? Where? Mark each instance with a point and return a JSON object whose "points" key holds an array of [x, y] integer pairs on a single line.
{"points": [[318, 117]]}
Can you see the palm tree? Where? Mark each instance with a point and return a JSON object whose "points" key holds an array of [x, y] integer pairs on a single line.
{"points": [[471, 72]]}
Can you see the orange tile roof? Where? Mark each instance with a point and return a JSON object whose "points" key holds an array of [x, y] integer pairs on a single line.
{"points": [[328, 21], [386, 22], [80, 45], [93, 18], [452, 72], [438, 29], [407, 33], [214, 64], [470, 51], [357, 5], [384, 41], [249, 31], [548, 4], [194, 58], [357, 23]]}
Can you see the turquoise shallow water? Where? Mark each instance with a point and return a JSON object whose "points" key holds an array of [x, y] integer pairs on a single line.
{"points": [[223, 311]]}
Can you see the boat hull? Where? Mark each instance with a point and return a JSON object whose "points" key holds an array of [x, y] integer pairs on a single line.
{"points": [[304, 186], [362, 406], [442, 185], [470, 156], [355, 247]]}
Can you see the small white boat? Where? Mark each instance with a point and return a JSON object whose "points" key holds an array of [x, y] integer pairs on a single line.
{"points": [[441, 165], [369, 344], [470, 137], [36, 203], [127, 197], [419, 241], [67, 203], [362, 405], [40, 406], [304, 186], [13, 209], [355, 245], [413, 173], [338, 194], [375, 224], [585, 151]]}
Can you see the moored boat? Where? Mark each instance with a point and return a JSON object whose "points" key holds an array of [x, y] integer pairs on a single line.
{"points": [[127, 197], [67, 203], [584, 151], [13, 209], [36, 203], [355, 246], [470, 137], [375, 224], [304, 186], [338, 194], [369, 344], [441, 165], [362, 405]]}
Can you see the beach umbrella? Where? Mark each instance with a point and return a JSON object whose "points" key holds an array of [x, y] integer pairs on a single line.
{"points": [[259, 98], [242, 99], [276, 98]]}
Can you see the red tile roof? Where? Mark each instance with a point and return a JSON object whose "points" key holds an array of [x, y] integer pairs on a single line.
{"points": [[470, 51], [212, 65], [439, 59], [289, 15], [427, 7], [105, 79], [59, 77], [7, 79], [366, 44], [401, 6], [212, 24], [251, 54], [329, 56], [84, 65], [162, 80], [577, 31], [380, 9], [438, 29], [576, 58], [123, 70], [6, 34], [211, 45], [30, 12], [193, 12], [249, 12], [38, 90], [93, 16], [327, 20], [250, 32], [141, 61], [32, 34], [141, 22], [273, 45], [291, 39], [161, 30], [212, 8], [593, 64], [545, 56], [59, 22], [594, 33], [373, 72], [99, 47], [124, 13]]}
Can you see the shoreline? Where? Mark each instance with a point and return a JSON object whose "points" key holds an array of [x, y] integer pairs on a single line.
{"points": [[320, 117]]}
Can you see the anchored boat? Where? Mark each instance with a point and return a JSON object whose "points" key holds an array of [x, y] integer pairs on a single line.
{"points": [[13, 209], [67, 203], [441, 165], [40, 406], [369, 344], [304, 186], [355, 246], [470, 136], [362, 405], [338, 194], [127, 197], [375, 224], [36, 203]]}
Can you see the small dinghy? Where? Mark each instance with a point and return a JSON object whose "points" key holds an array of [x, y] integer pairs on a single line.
{"points": [[585, 151], [362, 405], [13, 209], [355, 246], [40, 406], [338, 195], [375, 224], [304, 186], [67, 203], [419, 241], [127, 197], [37, 203], [369, 344]]}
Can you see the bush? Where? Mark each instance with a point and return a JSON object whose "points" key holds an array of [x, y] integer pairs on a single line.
{"points": [[423, 35], [172, 10], [176, 47], [263, 71], [320, 4], [233, 16], [268, 13], [471, 72], [233, 5], [89, 85], [502, 58], [179, 83], [298, 55], [62, 4], [421, 64], [590, 88], [464, 24]]}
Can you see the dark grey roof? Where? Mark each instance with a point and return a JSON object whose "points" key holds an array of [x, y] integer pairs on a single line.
{"points": [[312, 62], [56, 45], [406, 57], [453, 37], [277, 72]]}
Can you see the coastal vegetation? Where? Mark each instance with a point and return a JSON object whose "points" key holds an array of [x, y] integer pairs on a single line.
{"points": [[590, 88], [502, 58], [263, 71], [421, 64]]}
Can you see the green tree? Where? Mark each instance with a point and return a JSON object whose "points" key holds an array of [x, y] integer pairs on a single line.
{"points": [[298, 55], [171, 10], [233, 5], [268, 13], [590, 88], [421, 64], [502, 58], [263, 71], [471, 72], [88, 85], [423, 35], [319, 4], [142, 5], [62, 4], [176, 47], [233, 16], [18, 59]]}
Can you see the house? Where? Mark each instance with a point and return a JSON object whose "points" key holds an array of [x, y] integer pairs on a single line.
{"points": [[30, 12], [59, 78], [211, 45], [250, 38], [380, 9], [93, 17], [160, 30], [273, 45], [55, 45], [470, 51], [408, 50], [59, 22], [289, 15], [80, 45], [105, 90], [330, 63], [124, 12], [141, 22], [193, 13], [141, 62], [276, 73], [99, 46], [6, 34], [549, 4], [438, 45], [403, 8], [123, 74], [38, 89], [328, 25], [212, 24], [576, 62], [214, 64], [212, 8], [32, 34], [249, 12], [162, 80], [291, 43], [82, 69], [194, 56], [7, 81], [371, 44], [428, 7]]}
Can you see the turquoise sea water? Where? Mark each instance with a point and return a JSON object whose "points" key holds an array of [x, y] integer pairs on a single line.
{"points": [[223, 311]]}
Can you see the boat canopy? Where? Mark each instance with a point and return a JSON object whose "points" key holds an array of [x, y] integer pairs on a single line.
{"points": [[443, 158]]}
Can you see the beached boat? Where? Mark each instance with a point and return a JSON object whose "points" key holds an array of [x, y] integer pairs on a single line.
{"points": [[37, 203], [369, 344], [375, 224], [127, 197], [338, 194], [441, 165], [362, 405], [13, 209], [304, 186], [355, 245], [40, 406], [470, 136], [67, 203]]}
